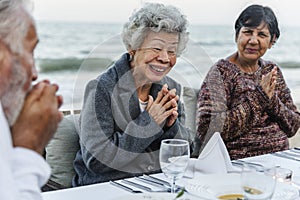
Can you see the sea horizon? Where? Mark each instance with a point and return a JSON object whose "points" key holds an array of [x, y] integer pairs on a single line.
{"points": [[72, 53]]}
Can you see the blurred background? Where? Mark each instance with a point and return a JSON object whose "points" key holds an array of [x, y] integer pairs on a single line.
{"points": [[79, 39]]}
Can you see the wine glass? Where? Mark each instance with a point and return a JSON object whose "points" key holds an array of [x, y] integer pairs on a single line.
{"points": [[174, 156], [258, 182]]}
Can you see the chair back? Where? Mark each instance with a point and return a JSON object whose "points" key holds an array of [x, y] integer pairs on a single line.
{"points": [[62, 149]]}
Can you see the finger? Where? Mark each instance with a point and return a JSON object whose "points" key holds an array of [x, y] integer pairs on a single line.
{"points": [[170, 104], [172, 118], [165, 89], [273, 81], [269, 76], [275, 69], [176, 98], [266, 80], [36, 92], [174, 101], [150, 102], [60, 116], [160, 95], [46, 81], [172, 93], [273, 84], [51, 89], [165, 100], [49, 96], [55, 85], [175, 114], [59, 100]]}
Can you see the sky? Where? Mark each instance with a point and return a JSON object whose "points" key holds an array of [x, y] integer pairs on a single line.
{"points": [[214, 12]]}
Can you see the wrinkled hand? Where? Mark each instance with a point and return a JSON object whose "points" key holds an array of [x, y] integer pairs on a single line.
{"points": [[174, 98], [268, 82], [164, 108], [39, 117]]}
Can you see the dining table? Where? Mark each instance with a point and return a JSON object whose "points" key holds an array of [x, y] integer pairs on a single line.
{"points": [[107, 191]]}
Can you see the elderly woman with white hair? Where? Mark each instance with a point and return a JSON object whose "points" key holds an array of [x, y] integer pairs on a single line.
{"points": [[134, 105]]}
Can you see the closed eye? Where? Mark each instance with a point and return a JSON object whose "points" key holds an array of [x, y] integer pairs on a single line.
{"points": [[262, 34], [156, 49], [248, 32]]}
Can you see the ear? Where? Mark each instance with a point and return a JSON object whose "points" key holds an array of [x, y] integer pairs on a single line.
{"points": [[273, 41], [131, 51]]}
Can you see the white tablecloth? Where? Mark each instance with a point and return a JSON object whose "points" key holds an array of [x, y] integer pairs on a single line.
{"points": [[108, 192]]}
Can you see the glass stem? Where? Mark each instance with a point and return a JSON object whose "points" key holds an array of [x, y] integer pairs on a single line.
{"points": [[173, 188]]}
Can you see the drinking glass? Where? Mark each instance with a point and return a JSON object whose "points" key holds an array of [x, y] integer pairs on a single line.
{"points": [[284, 175], [174, 156], [258, 182]]}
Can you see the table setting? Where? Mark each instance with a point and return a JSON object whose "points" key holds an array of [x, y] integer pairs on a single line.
{"points": [[211, 176]]}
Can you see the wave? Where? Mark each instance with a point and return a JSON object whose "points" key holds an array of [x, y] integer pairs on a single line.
{"points": [[92, 64], [291, 64], [214, 43], [72, 64]]}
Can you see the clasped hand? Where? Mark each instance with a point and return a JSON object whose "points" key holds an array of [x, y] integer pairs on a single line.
{"points": [[164, 108], [39, 117], [268, 82]]}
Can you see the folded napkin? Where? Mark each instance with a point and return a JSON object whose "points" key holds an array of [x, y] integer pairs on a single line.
{"points": [[214, 158]]}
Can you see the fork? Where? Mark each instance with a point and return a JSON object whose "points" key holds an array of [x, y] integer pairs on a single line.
{"points": [[162, 182], [119, 185], [154, 183], [144, 187]]}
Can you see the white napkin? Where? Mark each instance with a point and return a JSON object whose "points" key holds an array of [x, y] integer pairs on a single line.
{"points": [[214, 158]]}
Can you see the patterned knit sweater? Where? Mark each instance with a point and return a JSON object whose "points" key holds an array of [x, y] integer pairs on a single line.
{"points": [[231, 102]]}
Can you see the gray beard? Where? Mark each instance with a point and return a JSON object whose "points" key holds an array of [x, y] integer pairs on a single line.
{"points": [[13, 99], [13, 103]]}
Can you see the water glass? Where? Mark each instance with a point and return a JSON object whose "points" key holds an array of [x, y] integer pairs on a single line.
{"points": [[284, 175], [258, 182], [174, 156]]}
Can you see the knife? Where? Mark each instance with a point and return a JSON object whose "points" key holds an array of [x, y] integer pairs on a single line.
{"points": [[137, 185], [292, 153], [119, 185], [157, 180], [242, 162], [151, 182], [163, 182], [297, 148], [281, 154]]}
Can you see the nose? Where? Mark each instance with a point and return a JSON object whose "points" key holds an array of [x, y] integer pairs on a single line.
{"points": [[34, 73], [253, 39], [164, 56]]}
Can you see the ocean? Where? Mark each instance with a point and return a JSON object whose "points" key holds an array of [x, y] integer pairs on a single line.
{"points": [[72, 53]]}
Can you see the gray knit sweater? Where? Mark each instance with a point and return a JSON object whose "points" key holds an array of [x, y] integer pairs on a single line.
{"points": [[118, 140]]}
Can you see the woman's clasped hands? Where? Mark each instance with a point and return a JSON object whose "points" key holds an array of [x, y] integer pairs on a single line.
{"points": [[268, 82], [164, 108]]}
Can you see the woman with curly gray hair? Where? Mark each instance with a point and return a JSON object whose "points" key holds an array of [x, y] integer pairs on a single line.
{"points": [[134, 105]]}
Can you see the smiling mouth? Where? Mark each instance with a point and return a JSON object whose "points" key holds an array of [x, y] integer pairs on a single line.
{"points": [[157, 69], [252, 50]]}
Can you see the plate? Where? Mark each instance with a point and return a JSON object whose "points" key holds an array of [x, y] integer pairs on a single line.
{"points": [[149, 196], [214, 185]]}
